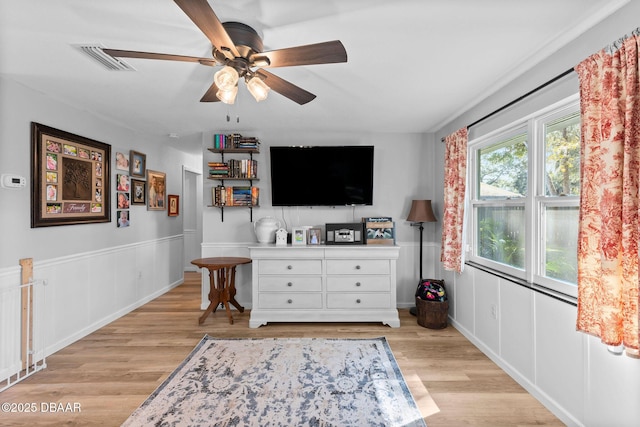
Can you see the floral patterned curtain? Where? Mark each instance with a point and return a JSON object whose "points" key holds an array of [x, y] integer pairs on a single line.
{"points": [[455, 183], [609, 228]]}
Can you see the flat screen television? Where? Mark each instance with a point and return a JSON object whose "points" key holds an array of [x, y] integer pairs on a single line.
{"points": [[321, 175]]}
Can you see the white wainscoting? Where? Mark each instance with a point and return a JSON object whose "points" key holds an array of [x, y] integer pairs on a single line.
{"points": [[191, 248], [533, 338], [89, 290]]}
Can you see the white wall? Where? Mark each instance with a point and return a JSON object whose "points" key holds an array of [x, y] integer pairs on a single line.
{"points": [[403, 170], [533, 336], [94, 272]]}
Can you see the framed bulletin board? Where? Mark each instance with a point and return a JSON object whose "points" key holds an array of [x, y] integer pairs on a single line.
{"points": [[70, 178]]}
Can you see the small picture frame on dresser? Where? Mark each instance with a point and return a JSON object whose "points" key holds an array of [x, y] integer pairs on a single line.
{"points": [[298, 236], [314, 237]]}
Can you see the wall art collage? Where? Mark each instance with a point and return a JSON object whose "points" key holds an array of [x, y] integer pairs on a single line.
{"points": [[71, 181]]}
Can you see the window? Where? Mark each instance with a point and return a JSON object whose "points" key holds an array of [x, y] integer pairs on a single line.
{"points": [[526, 186]]}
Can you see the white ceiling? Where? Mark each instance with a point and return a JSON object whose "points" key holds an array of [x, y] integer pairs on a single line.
{"points": [[412, 64]]}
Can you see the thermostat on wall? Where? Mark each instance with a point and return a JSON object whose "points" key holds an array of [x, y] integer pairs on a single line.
{"points": [[13, 181]]}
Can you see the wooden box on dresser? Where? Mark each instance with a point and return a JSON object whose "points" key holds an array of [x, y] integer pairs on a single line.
{"points": [[319, 283]]}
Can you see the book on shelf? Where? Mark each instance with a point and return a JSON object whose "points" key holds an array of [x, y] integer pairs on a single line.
{"points": [[379, 230], [235, 196], [234, 140]]}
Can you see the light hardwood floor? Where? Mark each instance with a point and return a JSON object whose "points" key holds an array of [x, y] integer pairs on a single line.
{"points": [[113, 370]]}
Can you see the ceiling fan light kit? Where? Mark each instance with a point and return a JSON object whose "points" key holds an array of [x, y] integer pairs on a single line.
{"points": [[258, 88], [226, 78], [238, 48], [227, 96]]}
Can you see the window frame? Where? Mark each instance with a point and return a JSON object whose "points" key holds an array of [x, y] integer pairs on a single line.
{"points": [[535, 202]]}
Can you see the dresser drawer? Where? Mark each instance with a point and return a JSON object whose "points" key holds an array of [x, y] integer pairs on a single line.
{"points": [[358, 283], [290, 266], [290, 284], [358, 301], [357, 266], [291, 300]]}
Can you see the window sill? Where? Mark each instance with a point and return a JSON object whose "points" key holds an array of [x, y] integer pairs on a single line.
{"points": [[533, 286]]}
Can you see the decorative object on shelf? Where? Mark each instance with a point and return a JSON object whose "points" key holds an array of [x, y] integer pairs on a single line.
{"points": [[265, 229], [156, 187], [238, 49], [174, 205], [137, 164], [281, 237], [299, 236], [379, 230], [70, 178], [345, 233], [314, 236]]}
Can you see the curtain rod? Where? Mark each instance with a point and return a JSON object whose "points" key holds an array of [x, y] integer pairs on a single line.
{"points": [[531, 92]]}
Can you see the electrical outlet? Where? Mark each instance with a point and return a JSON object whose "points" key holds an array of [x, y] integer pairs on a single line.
{"points": [[494, 312]]}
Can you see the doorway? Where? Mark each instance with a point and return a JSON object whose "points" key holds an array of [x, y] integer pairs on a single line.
{"points": [[192, 216]]}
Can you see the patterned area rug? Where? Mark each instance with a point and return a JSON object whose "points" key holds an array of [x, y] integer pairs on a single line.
{"points": [[283, 382]]}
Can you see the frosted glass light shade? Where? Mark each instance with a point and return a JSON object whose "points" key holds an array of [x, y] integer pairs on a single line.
{"points": [[227, 96], [258, 88], [226, 78]]}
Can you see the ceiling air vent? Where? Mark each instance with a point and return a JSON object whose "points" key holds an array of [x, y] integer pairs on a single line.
{"points": [[109, 62]]}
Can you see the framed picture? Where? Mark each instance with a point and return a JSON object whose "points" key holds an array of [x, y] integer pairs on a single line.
{"points": [[298, 236], [156, 185], [314, 236], [122, 161], [138, 192], [123, 219], [123, 200], [174, 204], [122, 182], [137, 164], [70, 177]]}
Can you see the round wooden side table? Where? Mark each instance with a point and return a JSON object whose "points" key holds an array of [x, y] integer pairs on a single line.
{"points": [[222, 283]]}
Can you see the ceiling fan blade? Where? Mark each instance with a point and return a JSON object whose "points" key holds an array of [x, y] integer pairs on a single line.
{"points": [[163, 56], [205, 18], [210, 95], [319, 53], [285, 88]]}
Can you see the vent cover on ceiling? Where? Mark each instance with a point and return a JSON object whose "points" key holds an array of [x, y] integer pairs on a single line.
{"points": [[95, 51]]}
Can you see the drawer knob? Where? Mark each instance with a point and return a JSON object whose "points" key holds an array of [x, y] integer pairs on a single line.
{"points": [[289, 284], [357, 267], [289, 267], [289, 301], [358, 284], [358, 301]]}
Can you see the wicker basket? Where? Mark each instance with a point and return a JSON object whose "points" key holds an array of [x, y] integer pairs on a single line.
{"points": [[432, 314]]}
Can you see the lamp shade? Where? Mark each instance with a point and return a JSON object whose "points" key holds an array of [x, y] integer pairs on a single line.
{"points": [[227, 96], [258, 88], [421, 211], [226, 78]]}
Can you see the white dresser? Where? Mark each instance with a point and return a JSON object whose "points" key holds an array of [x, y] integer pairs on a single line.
{"points": [[324, 284]]}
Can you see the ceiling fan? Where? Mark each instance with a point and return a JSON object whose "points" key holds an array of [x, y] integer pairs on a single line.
{"points": [[238, 48]]}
